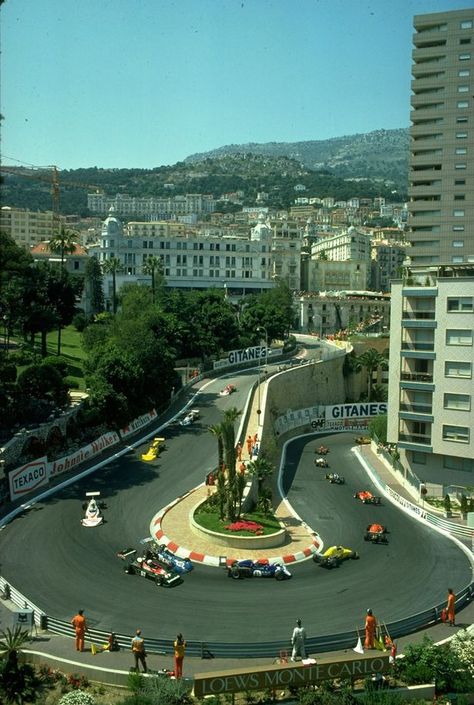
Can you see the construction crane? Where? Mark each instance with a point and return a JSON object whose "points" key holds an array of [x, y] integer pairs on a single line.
{"points": [[37, 172]]}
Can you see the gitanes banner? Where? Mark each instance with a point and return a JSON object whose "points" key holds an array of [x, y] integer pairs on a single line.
{"points": [[28, 477], [56, 467], [338, 417], [236, 357], [138, 423]]}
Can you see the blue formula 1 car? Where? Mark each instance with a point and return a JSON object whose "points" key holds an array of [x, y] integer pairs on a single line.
{"points": [[179, 565], [159, 552], [250, 569]]}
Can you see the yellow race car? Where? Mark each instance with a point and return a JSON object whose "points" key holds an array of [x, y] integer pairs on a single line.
{"points": [[334, 555]]}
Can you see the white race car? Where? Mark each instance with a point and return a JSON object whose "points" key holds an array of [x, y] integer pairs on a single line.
{"points": [[190, 418], [92, 508], [228, 389]]}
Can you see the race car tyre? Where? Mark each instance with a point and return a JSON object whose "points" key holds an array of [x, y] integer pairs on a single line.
{"points": [[130, 570], [367, 537], [279, 576], [354, 555], [235, 573], [159, 581]]}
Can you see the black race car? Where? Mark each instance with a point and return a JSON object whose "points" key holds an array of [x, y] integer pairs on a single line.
{"points": [[148, 566]]}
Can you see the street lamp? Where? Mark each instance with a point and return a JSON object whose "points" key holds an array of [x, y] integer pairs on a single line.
{"points": [[259, 330]]}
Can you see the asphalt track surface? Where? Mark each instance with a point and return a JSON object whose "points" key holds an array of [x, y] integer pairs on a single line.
{"points": [[61, 566]]}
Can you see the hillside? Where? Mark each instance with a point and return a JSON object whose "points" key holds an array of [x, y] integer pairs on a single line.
{"points": [[382, 154], [362, 165]]}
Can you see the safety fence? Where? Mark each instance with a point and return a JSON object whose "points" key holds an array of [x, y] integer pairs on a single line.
{"points": [[269, 649], [466, 533]]}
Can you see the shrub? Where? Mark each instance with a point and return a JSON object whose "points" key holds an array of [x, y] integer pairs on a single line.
{"points": [[79, 322], [77, 697], [164, 691], [24, 357], [59, 363], [71, 382]]}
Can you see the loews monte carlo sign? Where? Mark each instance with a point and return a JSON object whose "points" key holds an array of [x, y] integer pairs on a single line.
{"points": [[219, 682]]}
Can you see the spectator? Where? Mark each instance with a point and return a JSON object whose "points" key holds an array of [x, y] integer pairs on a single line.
{"points": [[370, 628], [450, 609], [138, 650], [179, 648]]}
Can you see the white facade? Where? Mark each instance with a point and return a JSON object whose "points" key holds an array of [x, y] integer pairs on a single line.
{"points": [[431, 389], [201, 259]]}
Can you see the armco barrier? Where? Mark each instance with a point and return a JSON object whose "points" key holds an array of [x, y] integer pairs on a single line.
{"points": [[269, 649]]}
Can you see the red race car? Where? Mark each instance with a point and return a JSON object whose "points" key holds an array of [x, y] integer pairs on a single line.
{"points": [[367, 497], [376, 533]]}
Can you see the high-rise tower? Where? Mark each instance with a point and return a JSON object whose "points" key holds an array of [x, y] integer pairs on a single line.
{"points": [[441, 190]]}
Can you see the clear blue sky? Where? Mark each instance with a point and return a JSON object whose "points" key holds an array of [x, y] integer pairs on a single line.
{"points": [[142, 83]]}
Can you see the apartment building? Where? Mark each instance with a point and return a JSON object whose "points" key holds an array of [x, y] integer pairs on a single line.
{"points": [[441, 189], [431, 417], [28, 228], [431, 387], [350, 247], [387, 261], [328, 314], [158, 208]]}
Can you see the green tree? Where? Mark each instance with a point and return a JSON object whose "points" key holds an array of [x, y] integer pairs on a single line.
{"points": [[62, 243], [113, 266], [262, 469], [93, 286], [228, 437], [43, 382], [378, 427], [153, 267], [372, 360]]}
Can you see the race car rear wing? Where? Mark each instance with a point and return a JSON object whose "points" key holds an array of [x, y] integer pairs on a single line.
{"points": [[126, 553]]}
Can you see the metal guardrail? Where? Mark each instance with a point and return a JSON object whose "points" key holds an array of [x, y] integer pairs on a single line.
{"points": [[269, 649]]}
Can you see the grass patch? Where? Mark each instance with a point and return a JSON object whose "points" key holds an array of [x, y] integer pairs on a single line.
{"points": [[71, 350], [209, 519]]}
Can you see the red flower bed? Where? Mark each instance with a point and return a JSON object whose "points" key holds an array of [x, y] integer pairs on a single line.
{"points": [[245, 526]]}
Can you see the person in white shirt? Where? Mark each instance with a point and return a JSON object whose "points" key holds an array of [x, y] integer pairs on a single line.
{"points": [[298, 639]]}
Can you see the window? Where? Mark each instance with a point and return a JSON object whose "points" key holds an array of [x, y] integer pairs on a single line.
{"points": [[418, 458], [465, 41], [460, 304], [464, 57], [464, 72], [460, 120], [461, 135], [459, 182], [466, 24], [458, 213], [453, 463], [463, 104], [463, 89], [461, 165], [457, 259], [460, 336], [460, 150], [459, 402], [459, 197], [458, 243], [458, 434]]}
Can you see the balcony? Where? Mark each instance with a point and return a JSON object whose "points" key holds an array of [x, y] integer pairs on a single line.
{"points": [[417, 377], [416, 408], [420, 438], [418, 347], [418, 315]]}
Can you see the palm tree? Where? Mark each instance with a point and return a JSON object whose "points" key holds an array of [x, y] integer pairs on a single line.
{"points": [[154, 267], [62, 243], [18, 682], [371, 359], [230, 454], [261, 468], [113, 266]]}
